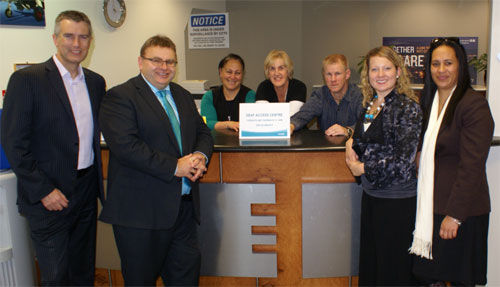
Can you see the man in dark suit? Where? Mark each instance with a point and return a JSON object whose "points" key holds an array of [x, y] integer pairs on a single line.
{"points": [[51, 138], [159, 147]]}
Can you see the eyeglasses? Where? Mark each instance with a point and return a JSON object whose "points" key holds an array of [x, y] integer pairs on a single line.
{"points": [[439, 41], [157, 62]]}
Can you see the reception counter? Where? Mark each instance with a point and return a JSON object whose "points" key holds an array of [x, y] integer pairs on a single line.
{"points": [[279, 213]]}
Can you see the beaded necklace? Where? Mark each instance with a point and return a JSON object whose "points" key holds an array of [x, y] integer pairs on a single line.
{"points": [[369, 117]]}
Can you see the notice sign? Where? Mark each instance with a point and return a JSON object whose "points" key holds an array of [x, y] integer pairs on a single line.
{"points": [[265, 121], [208, 31]]}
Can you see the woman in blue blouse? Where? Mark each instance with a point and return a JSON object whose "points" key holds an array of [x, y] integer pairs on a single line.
{"points": [[382, 154], [221, 105]]}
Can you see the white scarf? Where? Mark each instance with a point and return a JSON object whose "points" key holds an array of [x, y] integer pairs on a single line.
{"points": [[422, 236]]}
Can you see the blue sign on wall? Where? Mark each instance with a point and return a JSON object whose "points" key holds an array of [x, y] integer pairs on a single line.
{"points": [[208, 20], [208, 31]]}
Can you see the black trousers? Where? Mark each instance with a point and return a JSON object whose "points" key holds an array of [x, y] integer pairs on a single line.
{"points": [[386, 235], [172, 253], [65, 241]]}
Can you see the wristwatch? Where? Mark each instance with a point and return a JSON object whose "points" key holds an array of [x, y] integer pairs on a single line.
{"points": [[349, 132]]}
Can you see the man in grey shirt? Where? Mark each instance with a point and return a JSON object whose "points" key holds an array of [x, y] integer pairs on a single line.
{"points": [[337, 105]]}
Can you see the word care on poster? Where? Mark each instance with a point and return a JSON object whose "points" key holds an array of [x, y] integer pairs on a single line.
{"points": [[265, 121], [413, 50], [208, 31]]}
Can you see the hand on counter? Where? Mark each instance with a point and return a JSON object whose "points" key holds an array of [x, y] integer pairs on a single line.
{"points": [[336, 130], [227, 125]]}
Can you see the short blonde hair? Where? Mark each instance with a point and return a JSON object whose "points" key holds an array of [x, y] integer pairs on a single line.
{"points": [[278, 54], [334, 59], [402, 83]]}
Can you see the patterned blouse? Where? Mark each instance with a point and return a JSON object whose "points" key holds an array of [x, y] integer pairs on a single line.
{"points": [[388, 148]]}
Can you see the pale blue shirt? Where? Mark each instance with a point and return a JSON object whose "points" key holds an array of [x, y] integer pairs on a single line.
{"points": [[170, 99], [78, 96], [185, 182]]}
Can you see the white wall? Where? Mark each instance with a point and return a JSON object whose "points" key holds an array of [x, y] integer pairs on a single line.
{"points": [[114, 51], [493, 165]]}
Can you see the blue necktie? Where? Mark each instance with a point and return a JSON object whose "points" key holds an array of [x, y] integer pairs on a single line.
{"points": [[186, 185], [171, 116]]}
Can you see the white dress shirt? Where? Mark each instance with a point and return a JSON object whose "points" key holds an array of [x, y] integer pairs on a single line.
{"points": [[82, 112]]}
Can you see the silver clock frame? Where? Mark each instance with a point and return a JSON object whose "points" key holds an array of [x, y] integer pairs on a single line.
{"points": [[123, 11]]}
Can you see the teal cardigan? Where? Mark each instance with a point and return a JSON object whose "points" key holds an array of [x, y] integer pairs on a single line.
{"points": [[208, 110]]}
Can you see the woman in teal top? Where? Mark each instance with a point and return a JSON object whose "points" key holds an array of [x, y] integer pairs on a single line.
{"points": [[221, 105]]}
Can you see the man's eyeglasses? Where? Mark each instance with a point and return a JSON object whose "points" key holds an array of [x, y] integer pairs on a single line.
{"points": [[157, 62], [439, 41]]}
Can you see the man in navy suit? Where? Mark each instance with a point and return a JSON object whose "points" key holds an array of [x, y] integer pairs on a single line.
{"points": [[51, 138], [159, 147]]}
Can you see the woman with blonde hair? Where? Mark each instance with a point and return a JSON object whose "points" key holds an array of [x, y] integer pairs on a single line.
{"points": [[381, 153], [280, 86]]}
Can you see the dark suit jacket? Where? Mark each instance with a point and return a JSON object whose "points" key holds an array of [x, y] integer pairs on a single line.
{"points": [[460, 184], [39, 133], [143, 191]]}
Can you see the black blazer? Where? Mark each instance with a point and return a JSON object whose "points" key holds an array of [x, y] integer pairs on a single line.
{"points": [[143, 191], [39, 133]]}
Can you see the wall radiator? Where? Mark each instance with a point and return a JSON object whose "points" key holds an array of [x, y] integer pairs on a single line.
{"points": [[7, 275]]}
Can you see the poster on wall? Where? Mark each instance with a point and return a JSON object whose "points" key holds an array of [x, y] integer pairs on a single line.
{"points": [[208, 31], [413, 50], [22, 12], [22, 66]]}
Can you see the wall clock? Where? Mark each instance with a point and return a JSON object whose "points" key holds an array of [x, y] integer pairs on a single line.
{"points": [[114, 12]]}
